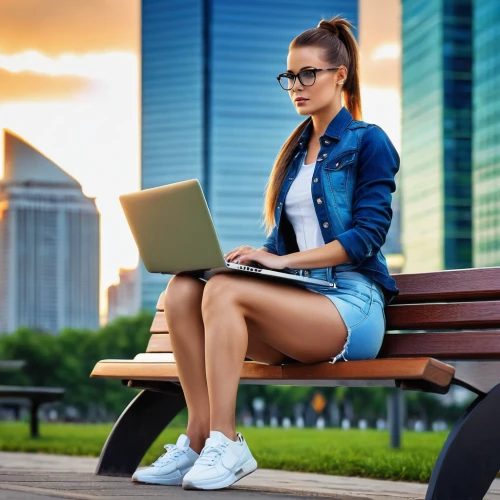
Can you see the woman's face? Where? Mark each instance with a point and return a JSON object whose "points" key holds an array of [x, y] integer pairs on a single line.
{"points": [[325, 91]]}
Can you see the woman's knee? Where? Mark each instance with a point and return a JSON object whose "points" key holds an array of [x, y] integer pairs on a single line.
{"points": [[220, 291], [183, 293]]}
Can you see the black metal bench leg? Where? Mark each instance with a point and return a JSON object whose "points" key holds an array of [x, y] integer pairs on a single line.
{"points": [[470, 458], [136, 429], [34, 419]]}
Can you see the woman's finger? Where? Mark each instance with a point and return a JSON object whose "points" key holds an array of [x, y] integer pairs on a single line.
{"points": [[238, 252]]}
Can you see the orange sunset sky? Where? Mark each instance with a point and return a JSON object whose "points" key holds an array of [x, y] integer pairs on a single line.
{"points": [[70, 86]]}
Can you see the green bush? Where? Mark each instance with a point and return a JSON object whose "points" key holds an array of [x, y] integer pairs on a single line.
{"points": [[66, 360]]}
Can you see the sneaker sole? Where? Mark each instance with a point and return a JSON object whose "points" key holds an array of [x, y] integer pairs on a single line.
{"points": [[247, 468], [176, 481]]}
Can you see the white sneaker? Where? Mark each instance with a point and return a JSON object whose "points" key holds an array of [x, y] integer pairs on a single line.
{"points": [[222, 462], [169, 468]]}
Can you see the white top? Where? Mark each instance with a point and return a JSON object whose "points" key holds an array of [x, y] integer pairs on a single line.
{"points": [[300, 210]]}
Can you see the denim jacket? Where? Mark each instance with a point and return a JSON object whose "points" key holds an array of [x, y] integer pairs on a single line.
{"points": [[352, 188]]}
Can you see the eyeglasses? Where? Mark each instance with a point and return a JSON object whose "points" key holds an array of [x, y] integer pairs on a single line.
{"points": [[306, 77]]}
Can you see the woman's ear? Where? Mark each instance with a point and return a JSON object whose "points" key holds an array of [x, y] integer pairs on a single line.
{"points": [[342, 75]]}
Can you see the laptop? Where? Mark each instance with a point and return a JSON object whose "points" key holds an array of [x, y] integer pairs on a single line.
{"points": [[175, 234]]}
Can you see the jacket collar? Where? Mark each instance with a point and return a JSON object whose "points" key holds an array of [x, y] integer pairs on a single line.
{"points": [[334, 130]]}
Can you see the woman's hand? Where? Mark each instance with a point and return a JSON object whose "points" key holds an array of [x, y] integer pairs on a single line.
{"points": [[247, 254]]}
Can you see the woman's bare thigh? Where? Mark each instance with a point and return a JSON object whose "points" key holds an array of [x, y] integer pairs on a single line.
{"points": [[301, 324], [187, 291]]}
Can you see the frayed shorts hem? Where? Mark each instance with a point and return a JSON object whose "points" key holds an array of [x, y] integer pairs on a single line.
{"points": [[360, 303]]}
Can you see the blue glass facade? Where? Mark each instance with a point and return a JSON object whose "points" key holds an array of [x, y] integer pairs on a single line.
{"points": [[437, 129], [457, 124], [486, 144], [172, 104], [212, 108]]}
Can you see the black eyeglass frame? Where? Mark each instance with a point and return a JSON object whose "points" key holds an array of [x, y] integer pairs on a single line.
{"points": [[314, 70]]}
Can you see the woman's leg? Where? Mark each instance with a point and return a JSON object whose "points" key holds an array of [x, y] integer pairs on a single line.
{"points": [[185, 324], [183, 300], [238, 311]]}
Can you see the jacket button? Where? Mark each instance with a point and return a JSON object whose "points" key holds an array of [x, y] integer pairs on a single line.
{"points": [[327, 141], [319, 159], [290, 178], [319, 201], [337, 164], [325, 224], [315, 179], [325, 155]]}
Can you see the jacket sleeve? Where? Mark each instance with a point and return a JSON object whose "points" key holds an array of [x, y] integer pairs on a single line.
{"points": [[270, 243], [378, 164]]}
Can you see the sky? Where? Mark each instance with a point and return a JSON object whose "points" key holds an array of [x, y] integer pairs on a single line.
{"points": [[70, 86]]}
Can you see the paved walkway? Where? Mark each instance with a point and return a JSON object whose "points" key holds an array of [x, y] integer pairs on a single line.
{"points": [[25, 476]]}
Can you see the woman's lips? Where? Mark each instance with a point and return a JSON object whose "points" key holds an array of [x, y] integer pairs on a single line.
{"points": [[301, 101]]}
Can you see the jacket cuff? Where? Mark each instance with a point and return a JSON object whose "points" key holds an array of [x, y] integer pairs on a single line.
{"points": [[355, 245]]}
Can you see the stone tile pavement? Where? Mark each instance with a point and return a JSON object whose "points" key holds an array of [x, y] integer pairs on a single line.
{"points": [[25, 476]]}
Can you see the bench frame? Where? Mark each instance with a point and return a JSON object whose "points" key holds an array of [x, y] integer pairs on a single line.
{"points": [[465, 467]]}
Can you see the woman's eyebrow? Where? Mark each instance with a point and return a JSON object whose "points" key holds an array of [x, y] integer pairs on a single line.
{"points": [[290, 71]]}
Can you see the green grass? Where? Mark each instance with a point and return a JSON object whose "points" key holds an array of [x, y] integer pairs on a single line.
{"points": [[330, 451]]}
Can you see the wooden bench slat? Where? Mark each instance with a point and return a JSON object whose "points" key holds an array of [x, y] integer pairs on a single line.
{"points": [[41, 394], [460, 315], [159, 323], [143, 370], [159, 304], [440, 345], [426, 369], [159, 342], [443, 345], [453, 285]]}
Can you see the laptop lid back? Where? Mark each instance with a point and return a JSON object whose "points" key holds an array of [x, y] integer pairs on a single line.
{"points": [[173, 228]]}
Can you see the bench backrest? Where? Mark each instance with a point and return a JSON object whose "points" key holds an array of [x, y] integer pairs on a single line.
{"points": [[445, 315]]}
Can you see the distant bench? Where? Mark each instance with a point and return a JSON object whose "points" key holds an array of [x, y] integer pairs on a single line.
{"points": [[13, 396], [442, 329]]}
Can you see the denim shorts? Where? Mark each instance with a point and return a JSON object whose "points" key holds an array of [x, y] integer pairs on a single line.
{"points": [[360, 302]]}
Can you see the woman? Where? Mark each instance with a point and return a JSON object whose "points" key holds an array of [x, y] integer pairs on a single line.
{"points": [[334, 180]]}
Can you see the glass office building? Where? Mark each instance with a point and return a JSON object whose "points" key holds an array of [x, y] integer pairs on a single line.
{"points": [[436, 134], [486, 143], [49, 244], [212, 108]]}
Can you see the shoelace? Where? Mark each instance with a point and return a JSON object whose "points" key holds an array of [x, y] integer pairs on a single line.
{"points": [[172, 452], [211, 453]]}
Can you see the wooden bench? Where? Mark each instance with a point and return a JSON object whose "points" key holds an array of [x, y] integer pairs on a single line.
{"points": [[443, 329], [14, 397]]}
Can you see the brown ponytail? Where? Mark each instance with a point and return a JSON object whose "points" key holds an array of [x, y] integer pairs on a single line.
{"points": [[346, 54], [341, 49]]}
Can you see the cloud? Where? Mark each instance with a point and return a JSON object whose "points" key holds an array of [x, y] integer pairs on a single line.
{"points": [[98, 66], [34, 76], [75, 25], [34, 87]]}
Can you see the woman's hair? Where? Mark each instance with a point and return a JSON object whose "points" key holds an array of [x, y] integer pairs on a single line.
{"points": [[341, 49]]}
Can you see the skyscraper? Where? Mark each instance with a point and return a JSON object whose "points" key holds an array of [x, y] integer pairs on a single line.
{"points": [[123, 298], [212, 108], [436, 136], [49, 245], [486, 143]]}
